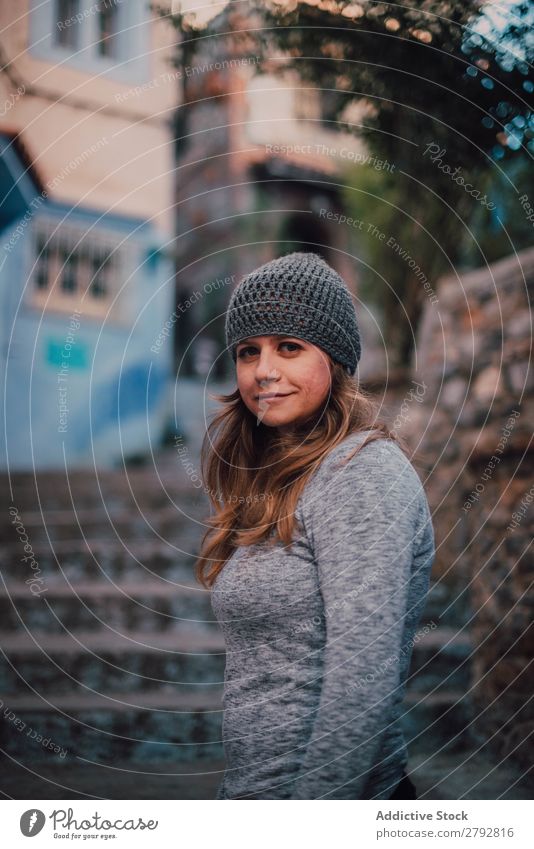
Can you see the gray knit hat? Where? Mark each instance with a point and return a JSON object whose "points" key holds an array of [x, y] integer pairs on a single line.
{"points": [[300, 295]]}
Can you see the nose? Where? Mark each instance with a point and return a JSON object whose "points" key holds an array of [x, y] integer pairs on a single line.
{"points": [[266, 370]]}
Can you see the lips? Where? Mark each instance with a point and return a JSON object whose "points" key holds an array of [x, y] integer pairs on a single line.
{"points": [[270, 396]]}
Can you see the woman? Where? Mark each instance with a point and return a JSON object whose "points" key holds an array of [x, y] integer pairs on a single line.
{"points": [[318, 554]]}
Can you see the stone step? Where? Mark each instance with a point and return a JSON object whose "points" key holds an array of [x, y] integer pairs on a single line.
{"points": [[473, 773], [83, 545], [188, 641], [79, 560], [166, 725], [448, 775], [74, 778], [148, 605], [102, 515], [153, 588], [137, 510], [150, 525], [447, 605], [441, 658], [432, 720], [62, 493], [105, 661], [169, 473], [167, 699]]}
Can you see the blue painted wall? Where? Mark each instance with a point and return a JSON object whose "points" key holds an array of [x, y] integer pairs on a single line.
{"points": [[88, 393]]}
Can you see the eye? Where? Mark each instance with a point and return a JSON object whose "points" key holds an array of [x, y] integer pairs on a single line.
{"points": [[243, 351]]}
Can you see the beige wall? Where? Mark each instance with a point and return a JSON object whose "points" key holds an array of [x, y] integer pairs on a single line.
{"points": [[93, 139], [277, 110]]}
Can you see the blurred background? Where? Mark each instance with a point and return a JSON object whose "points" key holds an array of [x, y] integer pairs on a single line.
{"points": [[150, 155]]}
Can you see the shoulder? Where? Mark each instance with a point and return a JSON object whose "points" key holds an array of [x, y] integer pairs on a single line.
{"points": [[378, 472], [355, 456]]}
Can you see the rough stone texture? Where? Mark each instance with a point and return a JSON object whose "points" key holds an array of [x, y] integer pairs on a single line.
{"points": [[473, 432]]}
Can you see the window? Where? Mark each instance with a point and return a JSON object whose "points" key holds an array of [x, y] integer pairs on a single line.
{"points": [[41, 267], [65, 35], [69, 273], [73, 268], [104, 37], [107, 28], [102, 268]]}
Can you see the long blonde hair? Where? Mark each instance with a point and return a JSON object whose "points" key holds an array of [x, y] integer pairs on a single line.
{"points": [[254, 475]]}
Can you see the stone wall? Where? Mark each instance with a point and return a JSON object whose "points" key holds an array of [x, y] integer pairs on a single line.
{"points": [[473, 431]]}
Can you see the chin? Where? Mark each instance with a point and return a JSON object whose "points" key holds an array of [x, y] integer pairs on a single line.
{"points": [[272, 420]]}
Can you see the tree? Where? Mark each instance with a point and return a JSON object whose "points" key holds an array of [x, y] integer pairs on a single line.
{"points": [[449, 107]]}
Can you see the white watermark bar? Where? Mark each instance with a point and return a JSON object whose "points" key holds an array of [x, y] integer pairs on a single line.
{"points": [[358, 823]]}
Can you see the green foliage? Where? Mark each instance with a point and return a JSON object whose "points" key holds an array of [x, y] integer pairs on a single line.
{"points": [[507, 229], [425, 69], [449, 99], [449, 94]]}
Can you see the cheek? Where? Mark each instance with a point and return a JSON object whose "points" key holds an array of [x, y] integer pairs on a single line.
{"points": [[245, 384], [243, 380], [316, 381]]}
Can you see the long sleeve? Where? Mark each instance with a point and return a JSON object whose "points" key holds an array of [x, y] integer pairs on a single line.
{"points": [[361, 520]]}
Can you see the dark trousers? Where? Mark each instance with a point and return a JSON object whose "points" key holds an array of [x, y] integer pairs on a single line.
{"points": [[405, 789]]}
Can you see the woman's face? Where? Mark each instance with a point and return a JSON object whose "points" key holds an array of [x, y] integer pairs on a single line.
{"points": [[298, 371]]}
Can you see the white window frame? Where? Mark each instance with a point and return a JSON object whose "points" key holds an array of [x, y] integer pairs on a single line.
{"points": [[132, 63]]}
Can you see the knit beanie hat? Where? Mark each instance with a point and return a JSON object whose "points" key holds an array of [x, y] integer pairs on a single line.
{"points": [[299, 295]]}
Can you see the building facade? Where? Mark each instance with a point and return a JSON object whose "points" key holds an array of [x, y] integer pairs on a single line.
{"points": [[87, 96], [259, 175]]}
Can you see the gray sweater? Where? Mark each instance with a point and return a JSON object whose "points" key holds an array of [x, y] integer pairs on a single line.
{"points": [[319, 638]]}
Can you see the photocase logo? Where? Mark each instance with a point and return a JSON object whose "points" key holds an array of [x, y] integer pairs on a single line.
{"points": [[31, 822]]}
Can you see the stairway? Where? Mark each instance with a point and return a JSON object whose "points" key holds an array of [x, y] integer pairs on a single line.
{"points": [[111, 677], [117, 658]]}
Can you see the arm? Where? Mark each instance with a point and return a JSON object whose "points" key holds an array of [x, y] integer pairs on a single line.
{"points": [[361, 521]]}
